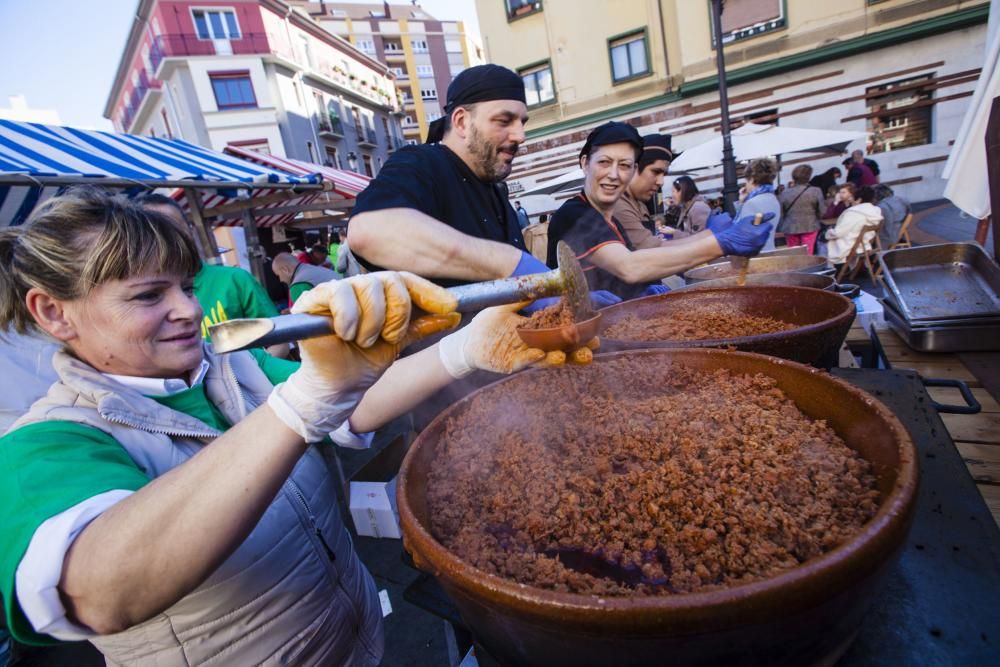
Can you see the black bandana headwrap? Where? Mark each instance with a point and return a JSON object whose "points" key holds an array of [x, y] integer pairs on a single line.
{"points": [[481, 83], [612, 132]]}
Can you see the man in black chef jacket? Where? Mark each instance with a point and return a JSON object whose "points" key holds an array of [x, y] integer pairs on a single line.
{"points": [[441, 210]]}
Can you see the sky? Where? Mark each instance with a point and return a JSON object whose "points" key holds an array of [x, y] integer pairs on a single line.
{"points": [[63, 54]]}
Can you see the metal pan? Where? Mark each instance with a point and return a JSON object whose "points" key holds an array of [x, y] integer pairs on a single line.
{"points": [[777, 252], [952, 322], [984, 338], [943, 281], [786, 264], [814, 280]]}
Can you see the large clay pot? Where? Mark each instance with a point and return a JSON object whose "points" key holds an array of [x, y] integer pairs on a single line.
{"points": [[815, 280], [822, 320], [807, 615]]}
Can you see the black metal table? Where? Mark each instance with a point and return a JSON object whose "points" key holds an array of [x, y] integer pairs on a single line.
{"points": [[941, 604]]}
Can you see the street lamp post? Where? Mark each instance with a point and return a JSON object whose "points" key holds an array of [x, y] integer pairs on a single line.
{"points": [[729, 188], [352, 161]]}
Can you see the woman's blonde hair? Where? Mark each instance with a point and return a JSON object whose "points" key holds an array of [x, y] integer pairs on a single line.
{"points": [[82, 239]]}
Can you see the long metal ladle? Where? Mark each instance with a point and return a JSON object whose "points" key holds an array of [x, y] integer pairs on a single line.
{"points": [[568, 279]]}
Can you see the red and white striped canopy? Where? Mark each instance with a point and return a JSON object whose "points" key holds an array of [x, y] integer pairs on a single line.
{"points": [[347, 184]]}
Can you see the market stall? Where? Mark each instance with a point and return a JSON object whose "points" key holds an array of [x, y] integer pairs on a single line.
{"points": [[39, 161]]}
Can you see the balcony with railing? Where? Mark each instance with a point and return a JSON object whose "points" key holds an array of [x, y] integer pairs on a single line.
{"points": [[182, 45], [366, 136], [330, 126], [134, 100]]}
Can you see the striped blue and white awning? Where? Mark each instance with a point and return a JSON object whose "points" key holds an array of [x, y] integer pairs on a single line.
{"points": [[37, 161]]}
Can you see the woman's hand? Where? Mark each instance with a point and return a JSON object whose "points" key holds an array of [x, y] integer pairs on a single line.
{"points": [[490, 343], [371, 315]]}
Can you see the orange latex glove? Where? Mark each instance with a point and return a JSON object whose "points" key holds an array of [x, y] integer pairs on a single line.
{"points": [[371, 321], [490, 342]]}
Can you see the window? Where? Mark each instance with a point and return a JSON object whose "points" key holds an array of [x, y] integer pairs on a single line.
{"points": [[255, 145], [339, 13], [166, 123], [433, 116], [743, 19], [332, 158], [408, 120], [215, 24], [367, 159], [366, 46], [233, 90], [899, 114], [518, 8], [312, 151], [419, 45], [412, 142], [306, 51], [407, 97], [392, 47], [628, 56], [538, 87], [425, 70], [399, 72], [428, 94]]}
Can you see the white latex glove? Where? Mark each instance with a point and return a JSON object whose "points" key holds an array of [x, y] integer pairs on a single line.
{"points": [[371, 315], [490, 343]]}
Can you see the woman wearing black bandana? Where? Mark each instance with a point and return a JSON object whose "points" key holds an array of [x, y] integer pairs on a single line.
{"points": [[608, 159]]}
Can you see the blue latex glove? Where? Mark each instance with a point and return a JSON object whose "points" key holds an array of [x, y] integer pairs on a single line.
{"points": [[603, 298], [719, 222], [529, 264], [655, 288], [745, 238]]}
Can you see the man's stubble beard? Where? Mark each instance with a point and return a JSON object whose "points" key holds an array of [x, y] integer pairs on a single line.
{"points": [[485, 154]]}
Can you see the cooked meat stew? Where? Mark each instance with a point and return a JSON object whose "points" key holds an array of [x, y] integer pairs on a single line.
{"points": [[636, 478]]}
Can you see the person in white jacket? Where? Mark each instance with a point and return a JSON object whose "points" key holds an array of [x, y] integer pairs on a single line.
{"points": [[862, 213]]}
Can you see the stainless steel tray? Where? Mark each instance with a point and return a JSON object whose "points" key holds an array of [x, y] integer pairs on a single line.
{"points": [[890, 303], [944, 339], [944, 281]]}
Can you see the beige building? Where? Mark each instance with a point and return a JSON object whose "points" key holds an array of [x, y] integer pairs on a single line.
{"points": [[899, 70], [422, 52]]}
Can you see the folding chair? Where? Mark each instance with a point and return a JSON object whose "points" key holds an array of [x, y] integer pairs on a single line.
{"points": [[858, 256], [903, 240]]}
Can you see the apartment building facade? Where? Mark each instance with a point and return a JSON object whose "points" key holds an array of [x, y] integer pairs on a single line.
{"points": [[259, 74], [422, 52], [899, 70]]}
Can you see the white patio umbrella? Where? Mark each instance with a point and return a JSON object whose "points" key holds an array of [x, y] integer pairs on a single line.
{"points": [[965, 170], [571, 179], [754, 141]]}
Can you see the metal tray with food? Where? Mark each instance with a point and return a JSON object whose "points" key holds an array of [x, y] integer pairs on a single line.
{"points": [[943, 281], [971, 338]]}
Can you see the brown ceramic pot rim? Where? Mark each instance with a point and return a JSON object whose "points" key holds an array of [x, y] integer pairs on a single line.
{"points": [[802, 292], [863, 554]]}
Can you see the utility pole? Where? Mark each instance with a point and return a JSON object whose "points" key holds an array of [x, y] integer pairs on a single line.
{"points": [[729, 188]]}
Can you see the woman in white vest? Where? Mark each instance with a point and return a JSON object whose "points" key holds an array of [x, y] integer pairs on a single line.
{"points": [[170, 505]]}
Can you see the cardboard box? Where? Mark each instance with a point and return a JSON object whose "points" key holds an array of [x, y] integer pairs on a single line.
{"points": [[870, 311], [372, 493]]}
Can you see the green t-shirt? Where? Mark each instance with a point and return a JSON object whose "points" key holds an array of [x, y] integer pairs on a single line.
{"points": [[48, 467], [229, 292]]}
